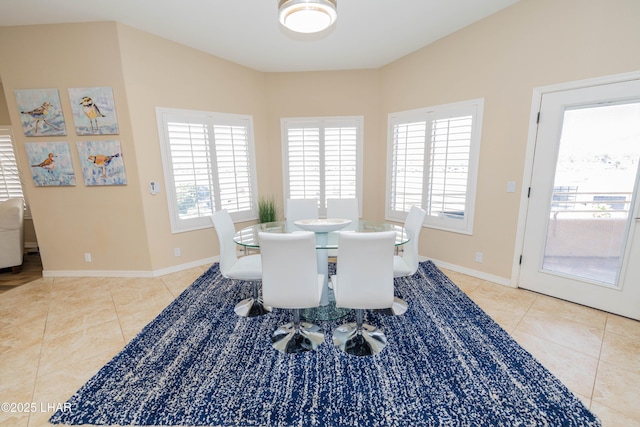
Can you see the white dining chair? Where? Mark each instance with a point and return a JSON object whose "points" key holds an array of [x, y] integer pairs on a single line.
{"points": [[343, 208], [290, 280], [247, 268], [364, 280], [407, 263], [298, 209]]}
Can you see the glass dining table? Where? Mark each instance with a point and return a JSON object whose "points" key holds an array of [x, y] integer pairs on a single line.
{"points": [[248, 237]]}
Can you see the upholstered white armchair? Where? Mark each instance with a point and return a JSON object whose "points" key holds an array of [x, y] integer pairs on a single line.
{"points": [[11, 234]]}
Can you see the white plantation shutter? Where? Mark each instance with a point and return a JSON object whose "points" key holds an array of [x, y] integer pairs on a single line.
{"points": [[304, 162], [341, 162], [209, 165], [322, 159], [10, 184], [432, 163], [449, 166], [192, 169], [407, 176], [233, 160]]}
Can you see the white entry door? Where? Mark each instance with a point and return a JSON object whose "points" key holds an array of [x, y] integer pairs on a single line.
{"points": [[582, 234]]}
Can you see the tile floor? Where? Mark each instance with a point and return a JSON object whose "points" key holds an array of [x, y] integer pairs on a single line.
{"points": [[56, 333]]}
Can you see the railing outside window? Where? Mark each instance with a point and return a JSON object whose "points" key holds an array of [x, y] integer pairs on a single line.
{"points": [[568, 202]]}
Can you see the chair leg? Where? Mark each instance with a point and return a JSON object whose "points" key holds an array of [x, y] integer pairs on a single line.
{"points": [[398, 308], [297, 336], [358, 338], [252, 307]]}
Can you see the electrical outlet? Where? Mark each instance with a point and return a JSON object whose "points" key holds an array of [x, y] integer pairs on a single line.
{"points": [[478, 256], [176, 251], [87, 257]]}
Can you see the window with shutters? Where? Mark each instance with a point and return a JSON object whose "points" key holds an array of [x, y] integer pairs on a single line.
{"points": [[322, 158], [209, 165], [433, 162], [10, 183]]}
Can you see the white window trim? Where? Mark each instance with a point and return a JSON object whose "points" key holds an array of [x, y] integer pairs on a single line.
{"points": [[324, 122], [429, 114], [183, 225]]}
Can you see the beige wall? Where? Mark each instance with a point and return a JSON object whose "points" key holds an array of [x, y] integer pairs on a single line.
{"points": [[69, 221], [170, 75], [500, 59], [5, 119]]}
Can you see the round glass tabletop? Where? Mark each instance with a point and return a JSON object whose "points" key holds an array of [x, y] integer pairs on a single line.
{"points": [[248, 236]]}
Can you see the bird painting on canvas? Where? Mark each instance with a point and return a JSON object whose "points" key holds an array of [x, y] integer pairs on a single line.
{"points": [[101, 161], [49, 163], [91, 110], [94, 110], [39, 114]]}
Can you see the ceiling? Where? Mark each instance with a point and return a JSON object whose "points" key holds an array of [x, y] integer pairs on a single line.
{"points": [[368, 33]]}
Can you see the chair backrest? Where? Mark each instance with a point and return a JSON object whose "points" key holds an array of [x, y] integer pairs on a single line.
{"points": [[365, 270], [344, 209], [301, 209], [413, 225], [225, 229], [290, 270]]}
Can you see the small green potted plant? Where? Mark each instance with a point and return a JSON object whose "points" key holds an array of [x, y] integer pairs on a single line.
{"points": [[267, 210]]}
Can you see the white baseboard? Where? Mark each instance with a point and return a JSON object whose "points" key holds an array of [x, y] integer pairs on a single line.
{"points": [[208, 261], [182, 267], [96, 273], [129, 273], [473, 273]]}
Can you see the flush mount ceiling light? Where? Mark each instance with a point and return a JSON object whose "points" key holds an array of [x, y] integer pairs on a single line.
{"points": [[307, 16]]}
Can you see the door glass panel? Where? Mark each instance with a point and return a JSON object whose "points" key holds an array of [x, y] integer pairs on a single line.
{"points": [[593, 190]]}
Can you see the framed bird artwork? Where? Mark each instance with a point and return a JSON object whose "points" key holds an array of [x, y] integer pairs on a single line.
{"points": [[40, 112], [102, 163], [94, 111], [50, 164]]}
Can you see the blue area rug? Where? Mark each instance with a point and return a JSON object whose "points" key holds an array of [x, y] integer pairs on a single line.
{"points": [[446, 364]]}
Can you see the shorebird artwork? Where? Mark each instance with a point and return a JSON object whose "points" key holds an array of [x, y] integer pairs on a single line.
{"points": [[94, 111], [40, 112]]}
